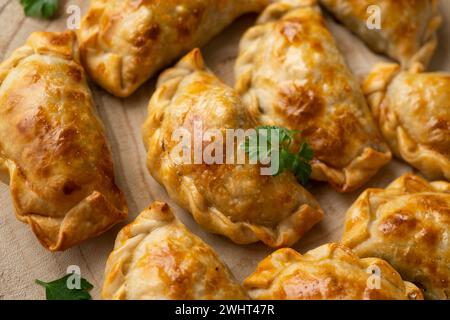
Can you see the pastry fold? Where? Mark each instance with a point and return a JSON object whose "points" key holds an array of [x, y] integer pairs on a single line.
{"points": [[231, 199], [407, 30], [413, 113], [290, 73], [123, 43], [408, 225], [157, 258], [53, 150], [329, 272]]}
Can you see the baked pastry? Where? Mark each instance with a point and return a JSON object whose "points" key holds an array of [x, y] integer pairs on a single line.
{"points": [[53, 150], [406, 31], [330, 272], [290, 73], [231, 199], [125, 42], [156, 257], [412, 111], [407, 224]]}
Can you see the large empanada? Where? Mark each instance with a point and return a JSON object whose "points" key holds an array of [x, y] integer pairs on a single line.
{"points": [[408, 225], [413, 113], [234, 200], [53, 150], [330, 272], [125, 42], [156, 257], [407, 30], [291, 74]]}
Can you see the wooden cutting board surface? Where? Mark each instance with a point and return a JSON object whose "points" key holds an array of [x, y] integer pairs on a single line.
{"points": [[22, 259]]}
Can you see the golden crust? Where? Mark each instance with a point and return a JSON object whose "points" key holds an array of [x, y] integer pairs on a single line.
{"points": [[290, 73], [330, 272], [53, 151], [408, 31], [124, 43], [233, 200], [407, 224], [157, 257], [412, 111]]}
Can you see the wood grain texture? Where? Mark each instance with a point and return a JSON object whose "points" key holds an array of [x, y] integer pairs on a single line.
{"points": [[23, 259]]}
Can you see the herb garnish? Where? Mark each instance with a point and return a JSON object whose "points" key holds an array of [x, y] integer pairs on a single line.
{"points": [[296, 162], [39, 8], [59, 289]]}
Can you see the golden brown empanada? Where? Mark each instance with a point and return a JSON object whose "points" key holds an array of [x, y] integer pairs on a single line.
{"points": [[291, 74], [53, 150], [413, 113], [125, 42], [408, 225], [234, 200], [330, 272], [156, 257], [407, 30]]}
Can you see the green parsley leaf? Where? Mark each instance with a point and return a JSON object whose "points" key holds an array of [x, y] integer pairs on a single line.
{"points": [[58, 289], [296, 162], [40, 8]]}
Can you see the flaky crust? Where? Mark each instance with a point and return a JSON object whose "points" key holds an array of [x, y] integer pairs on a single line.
{"points": [[229, 199], [290, 73], [407, 224], [408, 31], [125, 42], [412, 111], [53, 151], [330, 272], [156, 257]]}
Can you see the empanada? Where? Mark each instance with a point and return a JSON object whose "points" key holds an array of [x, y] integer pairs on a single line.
{"points": [[330, 272], [408, 225], [125, 42], [156, 257], [413, 113], [406, 30], [234, 200], [53, 149], [290, 73]]}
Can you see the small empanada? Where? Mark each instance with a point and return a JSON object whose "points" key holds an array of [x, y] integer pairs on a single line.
{"points": [[53, 149], [290, 73], [408, 225], [234, 199], [413, 113], [407, 30], [330, 272], [156, 257], [125, 42]]}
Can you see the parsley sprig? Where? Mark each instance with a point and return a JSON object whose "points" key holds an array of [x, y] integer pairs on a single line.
{"points": [[59, 290], [298, 162], [40, 8]]}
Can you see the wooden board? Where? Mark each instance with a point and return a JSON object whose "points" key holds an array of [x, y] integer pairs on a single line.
{"points": [[22, 259]]}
